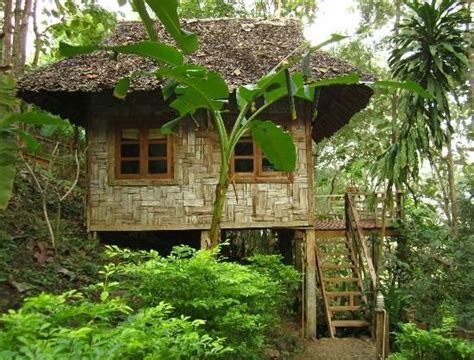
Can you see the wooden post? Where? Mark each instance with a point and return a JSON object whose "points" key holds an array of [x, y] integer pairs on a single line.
{"points": [[299, 264], [381, 334], [310, 278], [299, 252], [205, 240]]}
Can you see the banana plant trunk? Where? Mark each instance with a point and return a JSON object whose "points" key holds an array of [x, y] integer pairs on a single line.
{"points": [[221, 190]]}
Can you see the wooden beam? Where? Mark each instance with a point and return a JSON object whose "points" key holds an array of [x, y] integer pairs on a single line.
{"points": [[310, 278], [202, 226]]}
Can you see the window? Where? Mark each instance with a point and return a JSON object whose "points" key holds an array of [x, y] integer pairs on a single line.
{"points": [[250, 162], [141, 151]]}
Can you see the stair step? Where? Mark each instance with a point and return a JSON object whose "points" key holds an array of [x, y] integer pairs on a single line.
{"points": [[345, 308], [350, 323], [340, 279], [343, 293], [338, 266], [336, 253]]}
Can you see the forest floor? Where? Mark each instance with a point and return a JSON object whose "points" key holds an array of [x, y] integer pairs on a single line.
{"points": [[338, 349], [28, 263]]}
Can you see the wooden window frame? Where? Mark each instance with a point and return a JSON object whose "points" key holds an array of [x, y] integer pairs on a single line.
{"points": [[258, 175], [143, 126]]}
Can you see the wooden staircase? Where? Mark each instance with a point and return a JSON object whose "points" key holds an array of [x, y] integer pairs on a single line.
{"points": [[345, 260], [344, 300]]}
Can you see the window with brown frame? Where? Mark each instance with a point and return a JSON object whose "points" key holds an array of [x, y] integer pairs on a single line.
{"points": [[142, 152], [249, 161]]}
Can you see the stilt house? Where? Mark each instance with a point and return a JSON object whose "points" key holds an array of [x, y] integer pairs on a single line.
{"points": [[140, 180]]}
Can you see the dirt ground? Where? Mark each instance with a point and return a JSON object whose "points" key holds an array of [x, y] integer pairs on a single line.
{"points": [[338, 349]]}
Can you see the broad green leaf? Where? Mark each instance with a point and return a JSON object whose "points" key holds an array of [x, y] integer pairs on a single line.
{"points": [[9, 101], [167, 13], [303, 90], [245, 94], [276, 144], [273, 85], [197, 88], [403, 85], [69, 50], [140, 7], [121, 88], [152, 49], [7, 94], [8, 149], [349, 79], [32, 118], [168, 88], [30, 141], [168, 128]]}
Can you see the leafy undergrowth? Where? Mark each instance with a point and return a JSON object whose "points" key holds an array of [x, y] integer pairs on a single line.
{"points": [[69, 304], [418, 344], [28, 264], [189, 305]]}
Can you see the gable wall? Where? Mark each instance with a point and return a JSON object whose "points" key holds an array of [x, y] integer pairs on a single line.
{"points": [[186, 202]]}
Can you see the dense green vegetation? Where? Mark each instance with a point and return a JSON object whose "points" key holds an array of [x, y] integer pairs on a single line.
{"points": [[416, 344], [187, 305], [193, 304]]}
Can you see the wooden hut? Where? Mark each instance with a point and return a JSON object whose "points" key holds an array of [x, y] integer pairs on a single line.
{"points": [[139, 180]]}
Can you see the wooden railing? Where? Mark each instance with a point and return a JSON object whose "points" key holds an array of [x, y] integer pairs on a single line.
{"points": [[356, 233], [370, 207]]}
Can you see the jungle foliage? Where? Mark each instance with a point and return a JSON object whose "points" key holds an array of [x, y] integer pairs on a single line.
{"points": [[208, 308], [417, 344], [187, 305]]}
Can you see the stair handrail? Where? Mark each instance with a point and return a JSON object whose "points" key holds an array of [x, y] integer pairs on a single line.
{"points": [[355, 229]]}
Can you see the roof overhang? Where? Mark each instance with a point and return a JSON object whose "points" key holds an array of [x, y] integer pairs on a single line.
{"points": [[336, 106]]}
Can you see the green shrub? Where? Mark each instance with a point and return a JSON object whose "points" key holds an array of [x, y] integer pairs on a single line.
{"points": [[189, 305], [436, 344], [286, 277], [68, 326], [237, 302]]}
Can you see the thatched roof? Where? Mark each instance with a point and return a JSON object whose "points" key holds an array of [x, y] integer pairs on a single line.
{"points": [[242, 50]]}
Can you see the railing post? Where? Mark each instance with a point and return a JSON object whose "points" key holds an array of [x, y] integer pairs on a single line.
{"points": [[382, 331]]}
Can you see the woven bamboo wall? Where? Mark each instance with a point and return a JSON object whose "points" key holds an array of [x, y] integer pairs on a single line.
{"points": [[186, 201]]}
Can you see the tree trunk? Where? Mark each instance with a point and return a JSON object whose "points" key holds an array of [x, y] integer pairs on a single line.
{"points": [[470, 44], [25, 21], [8, 33], [444, 191], [37, 35], [16, 48], [452, 187]]}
